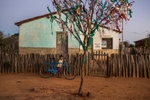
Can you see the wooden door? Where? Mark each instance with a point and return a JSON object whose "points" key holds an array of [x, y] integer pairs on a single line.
{"points": [[62, 43], [98, 63]]}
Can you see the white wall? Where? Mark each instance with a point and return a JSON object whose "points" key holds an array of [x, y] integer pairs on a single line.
{"points": [[104, 33]]}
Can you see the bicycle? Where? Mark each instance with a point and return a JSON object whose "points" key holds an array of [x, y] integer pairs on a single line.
{"points": [[48, 69]]}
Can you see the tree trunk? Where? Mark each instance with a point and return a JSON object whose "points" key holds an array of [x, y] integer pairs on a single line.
{"points": [[82, 73]]}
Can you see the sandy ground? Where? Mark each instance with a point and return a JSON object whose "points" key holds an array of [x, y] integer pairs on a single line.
{"points": [[33, 87]]}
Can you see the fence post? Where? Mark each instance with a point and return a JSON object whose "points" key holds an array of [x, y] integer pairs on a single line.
{"points": [[78, 63], [149, 66], [88, 63], [16, 63], [144, 67], [140, 66], [108, 67], [137, 66], [0, 62], [133, 66], [126, 65]]}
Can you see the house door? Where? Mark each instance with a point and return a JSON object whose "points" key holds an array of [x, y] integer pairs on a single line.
{"points": [[62, 43]]}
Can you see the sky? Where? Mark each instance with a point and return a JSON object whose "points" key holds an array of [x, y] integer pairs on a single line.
{"points": [[12, 11]]}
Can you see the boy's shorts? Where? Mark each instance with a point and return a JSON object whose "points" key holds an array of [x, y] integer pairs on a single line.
{"points": [[59, 69]]}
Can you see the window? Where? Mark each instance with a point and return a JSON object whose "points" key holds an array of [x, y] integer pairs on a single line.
{"points": [[107, 43]]}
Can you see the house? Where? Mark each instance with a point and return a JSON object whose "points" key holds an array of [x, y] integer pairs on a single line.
{"points": [[140, 43], [36, 36]]}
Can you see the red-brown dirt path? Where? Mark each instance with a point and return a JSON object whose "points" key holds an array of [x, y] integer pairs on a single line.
{"points": [[33, 87]]}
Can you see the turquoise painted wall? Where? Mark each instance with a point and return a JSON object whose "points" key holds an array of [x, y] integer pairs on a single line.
{"points": [[37, 33]]}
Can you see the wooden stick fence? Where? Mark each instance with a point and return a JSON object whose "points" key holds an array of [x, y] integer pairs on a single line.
{"points": [[114, 65], [129, 66], [31, 63]]}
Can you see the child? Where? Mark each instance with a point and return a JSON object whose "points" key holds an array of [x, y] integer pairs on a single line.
{"points": [[59, 65]]}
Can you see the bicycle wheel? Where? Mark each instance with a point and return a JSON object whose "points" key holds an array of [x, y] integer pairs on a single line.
{"points": [[45, 71], [70, 72]]}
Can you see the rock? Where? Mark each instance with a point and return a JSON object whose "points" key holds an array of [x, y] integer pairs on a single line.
{"points": [[18, 81], [88, 94]]}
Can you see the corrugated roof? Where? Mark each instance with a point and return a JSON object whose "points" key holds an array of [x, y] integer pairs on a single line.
{"points": [[141, 40]]}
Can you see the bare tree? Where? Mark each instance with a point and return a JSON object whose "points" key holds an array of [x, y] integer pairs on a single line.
{"points": [[148, 35], [1, 40], [84, 17], [8, 43], [1, 36], [126, 43]]}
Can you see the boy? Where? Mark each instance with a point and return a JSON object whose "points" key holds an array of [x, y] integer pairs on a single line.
{"points": [[59, 65]]}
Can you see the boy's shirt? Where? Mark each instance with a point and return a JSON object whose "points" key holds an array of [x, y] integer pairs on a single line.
{"points": [[60, 62]]}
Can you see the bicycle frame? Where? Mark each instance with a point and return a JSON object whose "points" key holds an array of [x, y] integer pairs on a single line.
{"points": [[51, 67], [53, 64]]}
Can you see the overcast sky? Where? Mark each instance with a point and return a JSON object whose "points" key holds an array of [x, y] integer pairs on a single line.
{"points": [[12, 11]]}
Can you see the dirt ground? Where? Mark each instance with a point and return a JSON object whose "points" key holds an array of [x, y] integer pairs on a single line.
{"points": [[33, 87]]}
